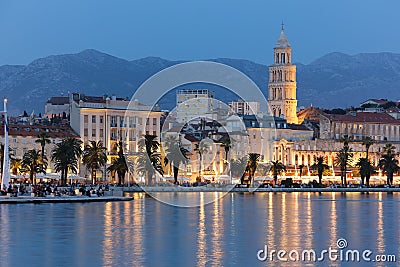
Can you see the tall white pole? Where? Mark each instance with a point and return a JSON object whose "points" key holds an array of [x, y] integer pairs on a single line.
{"points": [[6, 161]]}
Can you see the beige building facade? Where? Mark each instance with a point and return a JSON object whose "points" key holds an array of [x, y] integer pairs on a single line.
{"points": [[110, 119]]}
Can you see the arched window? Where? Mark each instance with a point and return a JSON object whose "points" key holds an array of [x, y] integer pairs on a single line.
{"points": [[283, 59], [302, 159], [277, 58], [296, 159]]}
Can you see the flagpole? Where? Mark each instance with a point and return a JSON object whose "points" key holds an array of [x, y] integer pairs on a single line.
{"points": [[6, 161]]}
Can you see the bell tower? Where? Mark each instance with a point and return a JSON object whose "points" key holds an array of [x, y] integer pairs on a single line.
{"points": [[282, 81]]}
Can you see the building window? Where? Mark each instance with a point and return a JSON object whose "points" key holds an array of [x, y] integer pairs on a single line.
{"points": [[85, 119], [101, 119], [93, 119], [93, 132], [85, 132], [101, 133]]}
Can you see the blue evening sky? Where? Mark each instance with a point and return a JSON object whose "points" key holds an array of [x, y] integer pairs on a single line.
{"points": [[190, 29]]}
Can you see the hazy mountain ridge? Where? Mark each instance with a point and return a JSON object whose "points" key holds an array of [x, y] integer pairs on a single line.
{"points": [[334, 80]]}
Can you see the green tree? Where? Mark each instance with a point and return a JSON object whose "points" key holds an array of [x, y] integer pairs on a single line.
{"points": [[119, 164], [94, 157], [367, 142], [227, 144], [43, 138], [365, 170], [33, 163], [252, 163], [149, 160], [66, 155], [277, 168], [343, 158], [201, 148], [176, 155], [388, 163], [238, 167], [320, 166], [15, 166]]}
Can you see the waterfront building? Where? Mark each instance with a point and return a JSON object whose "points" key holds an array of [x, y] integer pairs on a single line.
{"points": [[110, 119], [358, 125], [22, 137], [282, 99]]}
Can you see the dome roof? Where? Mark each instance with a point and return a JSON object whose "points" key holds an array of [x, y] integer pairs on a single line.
{"points": [[282, 41]]}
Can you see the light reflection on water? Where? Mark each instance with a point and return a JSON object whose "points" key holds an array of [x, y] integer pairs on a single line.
{"points": [[227, 232]]}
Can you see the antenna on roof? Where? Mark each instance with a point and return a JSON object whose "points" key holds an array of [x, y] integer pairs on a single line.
{"points": [[283, 26]]}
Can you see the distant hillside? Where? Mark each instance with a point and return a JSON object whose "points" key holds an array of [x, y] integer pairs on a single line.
{"points": [[335, 80]]}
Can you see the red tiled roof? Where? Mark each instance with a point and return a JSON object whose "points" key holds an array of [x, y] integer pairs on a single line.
{"points": [[371, 117], [63, 131]]}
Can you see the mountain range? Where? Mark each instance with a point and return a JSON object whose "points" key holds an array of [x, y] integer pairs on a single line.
{"points": [[334, 80]]}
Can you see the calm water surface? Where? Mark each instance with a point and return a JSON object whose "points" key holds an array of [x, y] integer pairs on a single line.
{"points": [[228, 232]]}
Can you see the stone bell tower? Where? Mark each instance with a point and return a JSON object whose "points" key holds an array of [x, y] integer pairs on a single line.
{"points": [[282, 81]]}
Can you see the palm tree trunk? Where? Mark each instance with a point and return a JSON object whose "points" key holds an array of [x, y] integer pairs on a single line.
{"points": [[320, 177], [176, 172], [367, 179], [362, 179]]}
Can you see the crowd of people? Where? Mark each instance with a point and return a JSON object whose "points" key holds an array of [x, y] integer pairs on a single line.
{"points": [[52, 189]]}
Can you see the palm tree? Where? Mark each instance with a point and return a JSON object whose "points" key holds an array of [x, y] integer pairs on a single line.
{"points": [[365, 169], [388, 163], [320, 167], [120, 167], [201, 148], [149, 160], [252, 163], [301, 169], [238, 167], [43, 139], [227, 144], [94, 157], [346, 140], [176, 154], [119, 164], [65, 156], [33, 163], [277, 168], [343, 158], [15, 166], [389, 149], [367, 142]]}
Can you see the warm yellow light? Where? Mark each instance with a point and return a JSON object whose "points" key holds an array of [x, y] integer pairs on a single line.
{"points": [[5, 100]]}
